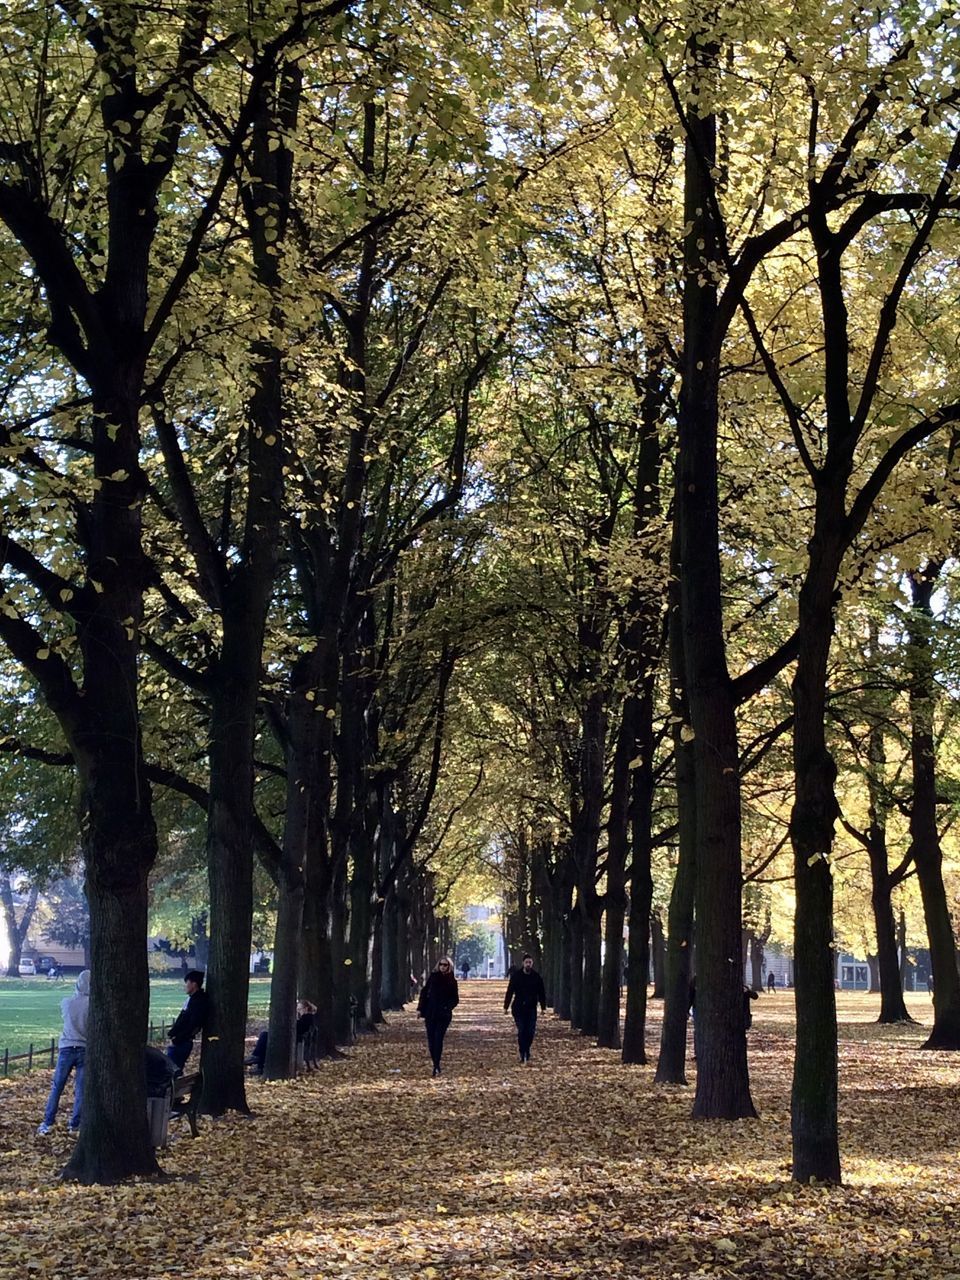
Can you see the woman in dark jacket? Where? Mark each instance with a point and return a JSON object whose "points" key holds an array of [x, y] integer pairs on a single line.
{"points": [[438, 999]]}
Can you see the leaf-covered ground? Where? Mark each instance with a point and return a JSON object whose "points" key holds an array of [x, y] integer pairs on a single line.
{"points": [[571, 1166]]}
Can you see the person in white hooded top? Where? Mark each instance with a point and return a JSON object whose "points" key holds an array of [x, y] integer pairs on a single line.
{"points": [[73, 1047]]}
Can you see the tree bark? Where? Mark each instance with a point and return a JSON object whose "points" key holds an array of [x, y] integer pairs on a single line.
{"points": [[672, 1062], [658, 955], [925, 838], [246, 592], [640, 768], [723, 1087]]}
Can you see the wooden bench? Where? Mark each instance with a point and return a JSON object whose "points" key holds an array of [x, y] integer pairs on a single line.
{"points": [[185, 1100]]}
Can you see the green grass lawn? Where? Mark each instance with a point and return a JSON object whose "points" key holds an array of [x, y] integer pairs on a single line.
{"points": [[30, 1007]]}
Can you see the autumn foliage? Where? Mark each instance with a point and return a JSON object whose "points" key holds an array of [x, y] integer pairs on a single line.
{"points": [[573, 1166]]}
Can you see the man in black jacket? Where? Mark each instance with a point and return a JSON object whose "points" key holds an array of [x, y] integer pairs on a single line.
{"points": [[190, 1019], [526, 990]]}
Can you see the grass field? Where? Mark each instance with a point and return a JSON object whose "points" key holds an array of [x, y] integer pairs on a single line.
{"points": [[30, 1007]]}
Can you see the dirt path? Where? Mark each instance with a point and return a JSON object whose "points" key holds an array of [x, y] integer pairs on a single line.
{"points": [[571, 1166]]}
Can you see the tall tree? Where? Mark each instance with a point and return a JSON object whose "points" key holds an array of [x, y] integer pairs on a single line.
{"points": [[81, 196]]}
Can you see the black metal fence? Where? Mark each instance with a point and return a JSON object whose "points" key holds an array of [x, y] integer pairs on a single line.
{"points": [[46, 1056]]}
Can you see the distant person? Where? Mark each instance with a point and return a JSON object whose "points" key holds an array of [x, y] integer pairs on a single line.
{"points": [[73, 1049], [525, 990], [930, 983], [465, 968], [306, 1015], [771, 982], [438, 999], [190, 1020], [54, 972]]}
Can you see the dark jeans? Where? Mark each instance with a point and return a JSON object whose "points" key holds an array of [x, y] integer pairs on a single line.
{"points": [[259, 1055], [67, 1060], [436, 1030], [179, 1053], [526, 1020]]}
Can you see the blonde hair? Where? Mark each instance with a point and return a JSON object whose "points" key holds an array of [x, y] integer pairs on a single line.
{"points": [[445, 960]]}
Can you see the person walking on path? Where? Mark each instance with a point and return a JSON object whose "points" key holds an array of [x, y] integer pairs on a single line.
{"points": [[772, 983], [73, 1048], [190, 1019], [526, 990], [438, 999]]}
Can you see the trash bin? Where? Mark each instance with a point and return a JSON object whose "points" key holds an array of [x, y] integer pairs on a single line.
{"points": [[158, 1117]]}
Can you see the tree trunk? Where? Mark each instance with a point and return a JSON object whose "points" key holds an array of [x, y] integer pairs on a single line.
{"points": [[403, 959], [586, 811], [317, 962], [816, 1152], [641, 877], [905, 965], [892, 1006], [925, 837], [375, 1007], [230, 877], [756, 962], [362, 908], [363, 880], [342, 977], [672, 1062], [118, 832], [658, 952], [608, 1014], [281, 1059], [886, 966], [114, 1140], [591, 938], [245, 593], [575, 961], [641, 897], [16, 931], [562, 887], [723, 1087], [391, 989]]}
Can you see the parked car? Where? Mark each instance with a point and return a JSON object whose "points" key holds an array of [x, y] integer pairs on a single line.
{"points": [[46, 963], [27, 969]]}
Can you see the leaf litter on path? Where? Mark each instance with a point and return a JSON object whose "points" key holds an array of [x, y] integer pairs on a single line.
{"points": [[570, 1166]]}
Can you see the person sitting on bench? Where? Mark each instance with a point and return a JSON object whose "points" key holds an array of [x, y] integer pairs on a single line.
{"points": [[306, 1014], [160, 1071]]}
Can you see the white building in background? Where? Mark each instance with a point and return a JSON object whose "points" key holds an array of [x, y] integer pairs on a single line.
{"points": [[481, 914], [853, 974]]}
